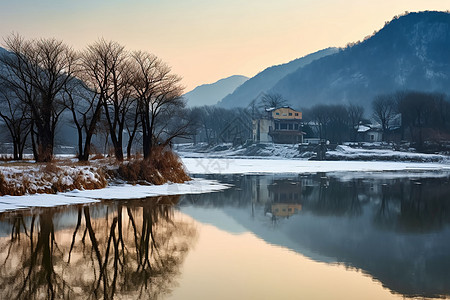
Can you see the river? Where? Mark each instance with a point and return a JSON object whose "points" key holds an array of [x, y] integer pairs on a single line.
{"points": [[315, 236]]}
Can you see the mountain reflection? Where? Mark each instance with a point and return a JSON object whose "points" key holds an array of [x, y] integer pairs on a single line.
{"points": [[115, 250], [391, 227]]}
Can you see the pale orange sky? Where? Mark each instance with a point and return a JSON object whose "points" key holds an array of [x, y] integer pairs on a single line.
{"points": [[205, 41]]}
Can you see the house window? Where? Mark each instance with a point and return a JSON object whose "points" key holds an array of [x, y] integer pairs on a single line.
{"points": [[296, 126], [372, 137], [296, 114], [290, 114], [291, 127], [283, 126], [277, 114], [277, 126]]}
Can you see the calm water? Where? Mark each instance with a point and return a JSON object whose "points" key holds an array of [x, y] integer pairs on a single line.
{"points": [[321, 236]]}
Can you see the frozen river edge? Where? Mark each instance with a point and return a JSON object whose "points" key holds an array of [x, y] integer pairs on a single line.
{"points": [[223, 166]]}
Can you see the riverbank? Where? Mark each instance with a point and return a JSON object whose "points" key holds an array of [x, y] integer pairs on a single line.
{"points": [[65, 174], [21, 178], [208, 165], [111, 192], [348, 151], [120, 189], [64, 181]]}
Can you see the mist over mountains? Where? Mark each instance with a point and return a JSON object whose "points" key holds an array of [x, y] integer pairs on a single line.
{"points": [[411, 52], [265, 80], [210, 94]]}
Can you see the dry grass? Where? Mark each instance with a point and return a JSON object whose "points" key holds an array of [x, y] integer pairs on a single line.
{"points": [[97, 156], [163, 166]]}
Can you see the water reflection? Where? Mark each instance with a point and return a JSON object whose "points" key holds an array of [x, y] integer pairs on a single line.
{"points": [[127, 249], [394, 229]]}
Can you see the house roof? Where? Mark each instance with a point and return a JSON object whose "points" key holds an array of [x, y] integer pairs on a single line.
{"points": [[363, 128], [275, 108]]}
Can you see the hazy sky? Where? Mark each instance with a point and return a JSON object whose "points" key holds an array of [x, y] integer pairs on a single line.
{"points": [[206, 40]]}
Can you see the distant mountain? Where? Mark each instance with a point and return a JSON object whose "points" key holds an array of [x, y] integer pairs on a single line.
{"points": [[409, 53], [266, 79], [210, 94]]}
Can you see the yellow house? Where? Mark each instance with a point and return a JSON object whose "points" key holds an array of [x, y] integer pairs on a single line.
{"points": [[280, 125], [285, 113]]}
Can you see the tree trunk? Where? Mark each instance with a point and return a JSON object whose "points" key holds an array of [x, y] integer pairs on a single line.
{"points": [[33, 145], [16, 146], [80, 143], [44, 147]]}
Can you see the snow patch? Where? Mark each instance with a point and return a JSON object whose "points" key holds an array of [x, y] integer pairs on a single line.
{"points": [[268, 166], [125, 191]]}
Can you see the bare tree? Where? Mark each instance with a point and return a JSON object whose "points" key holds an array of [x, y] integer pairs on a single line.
{"points": [[159, 95], [37, 71], [425, 115], [273, 101], [119, 100], [106, 71], [355, 115], [384, 111], [16, 117], [85, 108], [132, 123], [320, 115]]}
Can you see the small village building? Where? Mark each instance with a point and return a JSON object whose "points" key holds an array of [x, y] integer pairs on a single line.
{"points": [[369, 133], [279, 125]]}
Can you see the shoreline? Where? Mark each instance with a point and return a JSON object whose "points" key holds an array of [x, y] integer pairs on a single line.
{"points": [[225, 166]]}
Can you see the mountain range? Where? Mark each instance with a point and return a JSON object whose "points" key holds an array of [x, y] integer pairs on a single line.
{"points": [[210, 94], [411, 52], [265, 80]]}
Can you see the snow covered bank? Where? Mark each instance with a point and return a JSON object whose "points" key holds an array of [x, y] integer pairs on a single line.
{"points": [[227, 150], [126, 191], [265, 166], [344, 152], [224, 166], [29, 178], [362, 152]]}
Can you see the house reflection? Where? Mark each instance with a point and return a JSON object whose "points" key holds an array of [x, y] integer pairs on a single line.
{"points": [[285, 210], [285, 196]]}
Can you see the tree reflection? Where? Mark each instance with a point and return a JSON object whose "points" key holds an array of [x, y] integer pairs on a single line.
{"points": [[130, 251]]}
